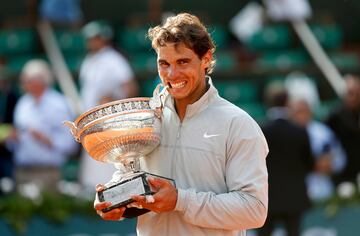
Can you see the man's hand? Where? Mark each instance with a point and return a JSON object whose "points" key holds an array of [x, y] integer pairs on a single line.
{"points": [[115, 214], [165, 197], [323, 164], [40, 137]]}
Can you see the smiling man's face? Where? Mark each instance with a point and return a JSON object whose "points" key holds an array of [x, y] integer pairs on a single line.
{"points": [[183, 72]]}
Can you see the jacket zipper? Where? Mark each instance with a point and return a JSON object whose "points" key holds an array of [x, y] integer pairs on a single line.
{"points": [[174, 159], [178, 133]]}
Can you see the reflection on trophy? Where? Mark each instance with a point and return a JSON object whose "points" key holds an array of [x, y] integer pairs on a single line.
{"points": [[122, 132]]}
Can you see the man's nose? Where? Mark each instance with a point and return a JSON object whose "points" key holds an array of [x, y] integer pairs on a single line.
{"points": [[173, 72]]}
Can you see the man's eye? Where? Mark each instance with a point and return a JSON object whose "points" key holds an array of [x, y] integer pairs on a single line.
{"points": [[163, 64], [182, 62]]}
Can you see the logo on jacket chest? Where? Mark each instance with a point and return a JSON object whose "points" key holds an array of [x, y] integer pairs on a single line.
{"points": [[210, 135]]}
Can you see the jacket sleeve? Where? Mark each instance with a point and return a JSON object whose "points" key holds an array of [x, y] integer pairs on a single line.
{"points": [[244, 206], [61, 138]]}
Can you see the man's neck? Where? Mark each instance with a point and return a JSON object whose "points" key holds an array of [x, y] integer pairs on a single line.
{"points": [[181, 110], [181, 105]]}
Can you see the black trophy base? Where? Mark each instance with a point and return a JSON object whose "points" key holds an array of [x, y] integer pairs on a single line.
{"points": [[134, 212], [120, 193]]}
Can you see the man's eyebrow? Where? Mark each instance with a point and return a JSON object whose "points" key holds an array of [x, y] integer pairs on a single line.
{"points": [[179, 59], [162, 60], [184, 59]]}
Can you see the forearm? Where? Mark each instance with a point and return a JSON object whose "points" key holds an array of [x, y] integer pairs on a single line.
{"points": [[231, 211]]}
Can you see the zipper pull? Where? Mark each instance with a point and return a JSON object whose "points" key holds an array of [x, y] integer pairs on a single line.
{"points": [[178, 132]]}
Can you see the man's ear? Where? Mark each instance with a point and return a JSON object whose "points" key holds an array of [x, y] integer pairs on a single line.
{"points": [[207, 58]]}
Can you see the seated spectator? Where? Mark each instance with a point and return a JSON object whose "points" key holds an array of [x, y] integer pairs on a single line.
{"points": [[41, 142]]}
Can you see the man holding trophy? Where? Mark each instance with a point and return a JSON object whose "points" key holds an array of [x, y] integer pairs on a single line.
{"points": [[208, 174]]}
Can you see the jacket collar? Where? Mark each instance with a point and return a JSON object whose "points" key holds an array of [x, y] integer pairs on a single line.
{"points": [[197, 106]]}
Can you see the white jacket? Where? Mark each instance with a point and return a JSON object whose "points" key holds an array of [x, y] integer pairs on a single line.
{"points": [[217, 158]]}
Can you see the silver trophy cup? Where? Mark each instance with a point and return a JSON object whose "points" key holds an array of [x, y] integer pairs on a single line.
{"points": [[122, 132]]}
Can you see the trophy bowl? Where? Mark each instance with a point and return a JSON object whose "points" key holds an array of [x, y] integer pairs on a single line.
{"points": [[121, 132], [115, 131]]}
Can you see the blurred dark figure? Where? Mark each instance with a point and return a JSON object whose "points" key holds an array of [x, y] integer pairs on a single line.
{"points": [[8, 99], [288, 163], [345, 122], [330, 157]]}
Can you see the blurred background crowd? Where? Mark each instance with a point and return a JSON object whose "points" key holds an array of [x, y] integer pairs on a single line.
{"points": [[292, 65]]}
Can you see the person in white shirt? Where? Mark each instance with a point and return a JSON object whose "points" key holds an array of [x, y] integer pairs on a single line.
{"points": [[105, 75], [213, 150], [41, 142]]}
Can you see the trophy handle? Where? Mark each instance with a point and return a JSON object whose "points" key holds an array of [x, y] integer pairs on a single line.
{"points": [[157, 102], [73, 129], [157, 92]]}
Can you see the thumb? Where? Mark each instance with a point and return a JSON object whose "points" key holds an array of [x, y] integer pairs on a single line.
{"points": [[157, 183], [99, 187]]}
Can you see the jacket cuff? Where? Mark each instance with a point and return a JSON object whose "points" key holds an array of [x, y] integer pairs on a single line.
{"points": [[181, 200]]}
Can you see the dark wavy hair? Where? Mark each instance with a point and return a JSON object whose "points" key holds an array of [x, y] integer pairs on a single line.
{"points": [[184, 28]]}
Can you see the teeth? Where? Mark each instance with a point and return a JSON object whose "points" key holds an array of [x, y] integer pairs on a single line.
{"points": [[178, 85]]}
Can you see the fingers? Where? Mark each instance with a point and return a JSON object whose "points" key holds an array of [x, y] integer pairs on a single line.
{"points": [[138, 200], [159, 200], [115, 214], [143, 202], [101, 205], [99, 187], [158, 182], [135, 204]]}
